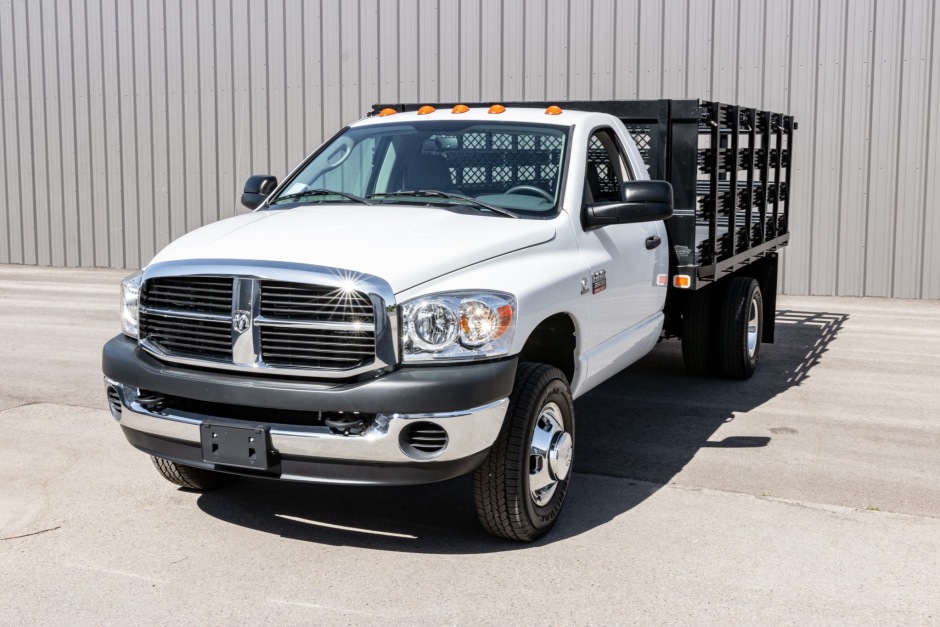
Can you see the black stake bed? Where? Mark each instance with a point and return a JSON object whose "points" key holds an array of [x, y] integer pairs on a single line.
{"points": [[729, 167]]}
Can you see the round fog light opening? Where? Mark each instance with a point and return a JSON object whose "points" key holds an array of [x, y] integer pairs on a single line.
{"points": [[423, 440]]}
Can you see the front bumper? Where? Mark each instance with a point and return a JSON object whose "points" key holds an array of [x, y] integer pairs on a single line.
{"points": [[471, 402]]}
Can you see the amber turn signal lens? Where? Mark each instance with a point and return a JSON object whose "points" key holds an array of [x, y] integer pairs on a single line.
{"points": [[497, 108], [426, 109], [553, 110], [388, 111], [460, 109], [682, 280]]}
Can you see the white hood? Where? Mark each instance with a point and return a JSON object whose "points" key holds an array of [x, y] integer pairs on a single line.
{"points": [[405, 245]]}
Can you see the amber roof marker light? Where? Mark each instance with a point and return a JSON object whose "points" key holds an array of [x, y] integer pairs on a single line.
{"points": [[387, 111], [426, 109], [461, 108], [553, 110], [497, 108]]}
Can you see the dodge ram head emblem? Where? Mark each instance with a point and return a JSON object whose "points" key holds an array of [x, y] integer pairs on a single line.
{"points": [[240, 321]]}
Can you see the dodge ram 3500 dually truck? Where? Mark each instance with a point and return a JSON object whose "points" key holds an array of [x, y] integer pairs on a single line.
{"points": [[427, 293]]}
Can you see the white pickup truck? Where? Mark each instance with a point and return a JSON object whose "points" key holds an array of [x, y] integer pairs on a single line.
{"points": [[427, 294]]}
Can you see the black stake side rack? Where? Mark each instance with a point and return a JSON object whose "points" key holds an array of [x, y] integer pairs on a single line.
{"points": [[729, 166]]}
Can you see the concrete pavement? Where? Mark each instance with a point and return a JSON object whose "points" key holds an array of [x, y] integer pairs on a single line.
{"points": [[808, 494]]}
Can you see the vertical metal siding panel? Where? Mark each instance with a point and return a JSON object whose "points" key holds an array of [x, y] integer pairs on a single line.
{"points": [[113, 177], [191, 96], [142, 100], [533, 86], [25, 123], [884, 149], [675, 47], [332, 81], [66, 119], [854, 128], [98, 120], [177, 127], [491, 51], [9, 195], [556, 75], [725, 51], [368, 56], [824, 231], [698, 76], [313, 75], [911, 150], [207, 195], [930, 239], [626, 48], [350, 110], [259, 153], [601, 43], [650, 45], [388, 51], [775, 62], [294, 83], [157, 27], [470, 53], [795, 271], [127, 133], [38, 206], [579, 51], [408, 50], [52, 239], [513, 46], [5, 182], [242, 49], [276, 88], [428, 51], [450, 51], [227, 183], [750, 55], [84, 181]]}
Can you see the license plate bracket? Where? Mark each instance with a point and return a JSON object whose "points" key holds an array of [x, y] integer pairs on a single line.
{"points": [[236, 445]]}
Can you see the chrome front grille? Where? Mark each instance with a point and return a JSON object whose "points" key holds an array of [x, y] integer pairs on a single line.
{"points": [[314, 302], [197, 294], [249, 323], [191, 337]]}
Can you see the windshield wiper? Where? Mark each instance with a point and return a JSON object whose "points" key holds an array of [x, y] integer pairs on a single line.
{"points": [[320, 192], [433, 193]]}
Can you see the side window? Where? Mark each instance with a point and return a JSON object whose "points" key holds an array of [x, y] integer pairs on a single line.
{"points": [[606, 168]]}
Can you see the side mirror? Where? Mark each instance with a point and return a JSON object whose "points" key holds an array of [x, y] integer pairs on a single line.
{"points": [[257, 188], [643, 201]]}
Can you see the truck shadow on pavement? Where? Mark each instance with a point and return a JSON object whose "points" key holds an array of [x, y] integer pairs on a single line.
{"points": [[634, 434]]}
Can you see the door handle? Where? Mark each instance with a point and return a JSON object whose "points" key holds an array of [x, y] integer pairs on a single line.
{"points": [[652, 242]]}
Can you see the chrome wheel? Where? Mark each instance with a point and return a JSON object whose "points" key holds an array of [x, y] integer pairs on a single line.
{"points": [[550, 452], [753, 324]]}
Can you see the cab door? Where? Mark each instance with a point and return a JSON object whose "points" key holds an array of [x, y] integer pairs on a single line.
{"points": [[625, 260]]}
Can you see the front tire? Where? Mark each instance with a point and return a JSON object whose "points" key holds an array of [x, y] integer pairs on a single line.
{"points": [[521, 486], [190, 477]]}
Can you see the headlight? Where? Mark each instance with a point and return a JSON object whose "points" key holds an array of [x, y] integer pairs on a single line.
{"points": [[458, 325], [130, 293]]}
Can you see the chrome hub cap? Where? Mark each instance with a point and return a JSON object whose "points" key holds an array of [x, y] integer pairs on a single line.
{"points": [[550, 452], [753, 323]]}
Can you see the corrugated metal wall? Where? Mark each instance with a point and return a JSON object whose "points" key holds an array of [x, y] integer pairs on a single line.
{"points": [[127, 123]]}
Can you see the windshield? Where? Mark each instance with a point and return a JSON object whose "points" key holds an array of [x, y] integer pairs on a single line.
{"points": [[483, 166]]}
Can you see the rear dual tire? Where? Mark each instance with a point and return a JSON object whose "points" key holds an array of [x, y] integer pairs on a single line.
{"points": [[723, 328]]}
